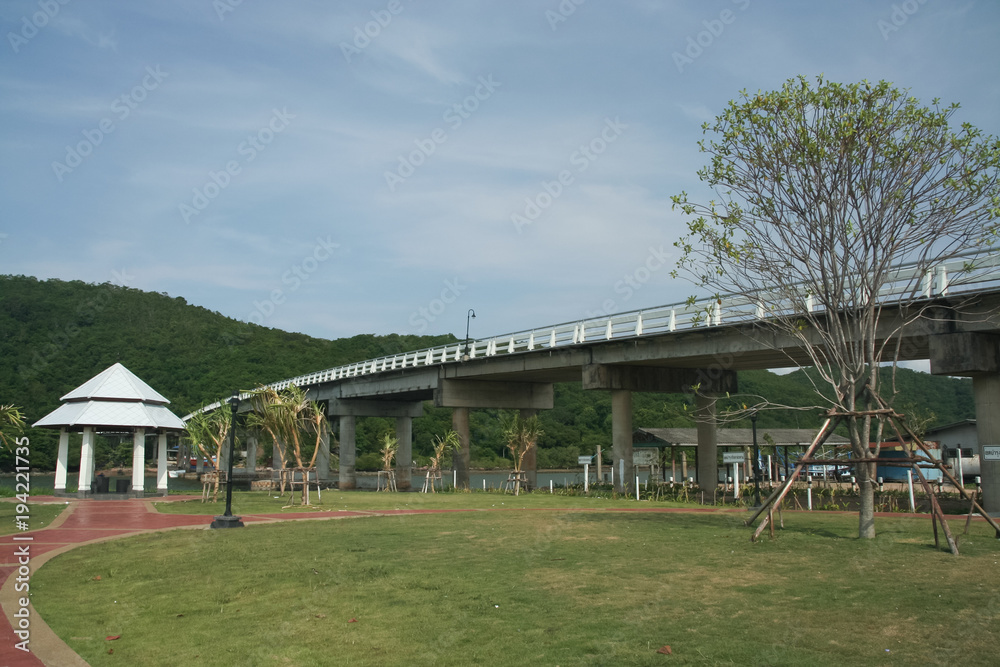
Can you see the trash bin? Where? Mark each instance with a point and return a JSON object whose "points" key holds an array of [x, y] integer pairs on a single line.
{"points": [[123, 485], [101, 484]]}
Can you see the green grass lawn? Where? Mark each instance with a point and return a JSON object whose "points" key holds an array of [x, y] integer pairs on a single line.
{"points": [[528, 587], [39, 515]]}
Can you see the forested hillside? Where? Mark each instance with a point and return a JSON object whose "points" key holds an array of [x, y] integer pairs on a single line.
{"points": [[54, 335]]}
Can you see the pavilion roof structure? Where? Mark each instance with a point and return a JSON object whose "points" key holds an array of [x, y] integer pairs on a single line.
{"points": [[114, 398], [730, 437]]}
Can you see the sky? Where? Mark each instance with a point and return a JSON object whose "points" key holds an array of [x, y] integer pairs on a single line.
{"points": [[384, 166]]}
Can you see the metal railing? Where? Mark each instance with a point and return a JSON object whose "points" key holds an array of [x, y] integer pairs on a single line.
{"points": [[955, 276]]}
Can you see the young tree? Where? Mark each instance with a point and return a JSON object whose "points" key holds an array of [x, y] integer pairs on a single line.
{"points": [[11, 421], [289, 418], [820, 193], [448, 443], [390, 446], [209, 431], [521, 435]]}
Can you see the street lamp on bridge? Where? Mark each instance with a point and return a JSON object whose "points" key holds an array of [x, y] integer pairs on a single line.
{"points": [[468, 318]]}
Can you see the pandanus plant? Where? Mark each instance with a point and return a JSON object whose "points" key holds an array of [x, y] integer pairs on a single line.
{"points": [[209, 431], [289, 418]]}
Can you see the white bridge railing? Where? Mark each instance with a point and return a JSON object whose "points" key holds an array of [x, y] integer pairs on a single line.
{"points": [[959, 275]]}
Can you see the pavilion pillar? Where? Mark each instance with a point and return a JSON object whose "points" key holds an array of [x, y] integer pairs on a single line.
{"points": [[62, 460], [404, 453], [138, 460], [460, 423], [199, 461], [161, 464], [348, 453], [86, 461]]}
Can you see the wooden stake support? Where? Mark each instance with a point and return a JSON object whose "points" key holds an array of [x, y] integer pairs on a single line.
{"points": [[913, 461]]}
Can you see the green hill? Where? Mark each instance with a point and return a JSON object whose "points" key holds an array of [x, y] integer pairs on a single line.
{"points": [[54, 335]]}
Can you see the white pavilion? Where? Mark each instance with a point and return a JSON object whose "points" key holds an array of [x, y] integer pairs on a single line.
{"points": [[114, 400]]}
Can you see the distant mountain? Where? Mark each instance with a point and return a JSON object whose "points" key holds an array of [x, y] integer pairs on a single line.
{"points": [[54, 335]]}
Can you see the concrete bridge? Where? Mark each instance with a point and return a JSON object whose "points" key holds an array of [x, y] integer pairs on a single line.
{"points": [[669, 349]]}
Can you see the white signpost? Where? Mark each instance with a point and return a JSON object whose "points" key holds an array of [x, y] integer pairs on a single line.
{"points": [[737, 459], [585, 462]]}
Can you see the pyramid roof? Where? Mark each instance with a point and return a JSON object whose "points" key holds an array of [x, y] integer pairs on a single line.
{"points": [[116, 383], [127, 414], [116, 397]]}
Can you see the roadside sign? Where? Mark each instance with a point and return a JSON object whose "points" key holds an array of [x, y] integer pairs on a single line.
{"points": [[645, 456], [583, 460], [991, 452], [733, 457]]}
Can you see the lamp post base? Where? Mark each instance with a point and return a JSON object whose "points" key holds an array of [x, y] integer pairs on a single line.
{"points": [[230, 521]]}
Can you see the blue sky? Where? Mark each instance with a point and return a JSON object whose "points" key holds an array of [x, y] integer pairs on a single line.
{"points": [[372, 167]]}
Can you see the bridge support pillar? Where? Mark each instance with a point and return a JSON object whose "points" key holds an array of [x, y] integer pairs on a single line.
{"points": [[222, 458], [404, 454], [531, 456], [708, 446], [621, 439], [323, 455], [986, 394], [251, 464], [976, 355], [460, 423], [348, 453]]}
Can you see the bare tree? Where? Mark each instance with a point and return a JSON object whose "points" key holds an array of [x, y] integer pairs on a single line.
{"points": [[820, 194]]}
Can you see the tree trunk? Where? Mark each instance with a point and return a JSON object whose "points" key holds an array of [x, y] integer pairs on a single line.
{"points": [[866, 491]]}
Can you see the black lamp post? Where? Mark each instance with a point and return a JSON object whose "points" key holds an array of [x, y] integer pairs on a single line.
{"points": [[756, 461], [468, 318], [227, 520]]}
